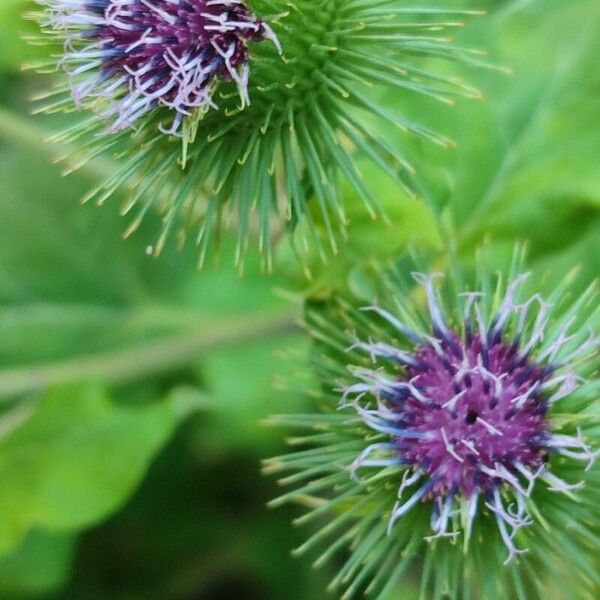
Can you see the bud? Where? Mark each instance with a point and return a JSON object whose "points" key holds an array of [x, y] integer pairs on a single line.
{"points": [[268, 130]]}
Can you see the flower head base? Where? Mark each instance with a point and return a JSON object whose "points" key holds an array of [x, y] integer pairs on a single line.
{"points": [[470, 419], [140, 54]]}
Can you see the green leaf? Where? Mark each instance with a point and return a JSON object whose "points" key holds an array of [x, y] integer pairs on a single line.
{"points": [[14, 51], [241, 384], [543, 184], [40, 565], [75, 300], [408, 222], [74, 456], [522, 167]]}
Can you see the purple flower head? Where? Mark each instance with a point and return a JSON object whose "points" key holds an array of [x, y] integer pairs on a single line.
{"points": [[449, 416], [140, 54], [467, 410]]}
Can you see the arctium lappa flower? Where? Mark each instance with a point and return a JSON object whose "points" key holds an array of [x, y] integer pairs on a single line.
{"points": [[460, 433], [125, 58], [269, 129]]}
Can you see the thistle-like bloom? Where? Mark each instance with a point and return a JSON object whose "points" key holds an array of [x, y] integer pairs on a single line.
{"points": [[257, 169], [467, 414], [478, 414], [140, 54]]}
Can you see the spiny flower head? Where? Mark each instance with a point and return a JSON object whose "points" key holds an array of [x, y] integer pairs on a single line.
{"points": [[260, 168], [468, 413], [478, 413], [140, 54]]}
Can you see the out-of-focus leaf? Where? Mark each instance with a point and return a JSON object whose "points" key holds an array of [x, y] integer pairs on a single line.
{"points": [[14, 50], [51, 247], [543, 184], [524, 166], [197, 529], [407, 222], [76, 301], [72, 457], [40, 565], [70, 287], [241, 382], [582, 255]]}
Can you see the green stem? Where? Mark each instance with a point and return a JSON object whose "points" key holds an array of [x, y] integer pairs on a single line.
{"points": [[132, 364]]}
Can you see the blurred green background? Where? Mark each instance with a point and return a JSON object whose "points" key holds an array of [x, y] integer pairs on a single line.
{"points": [[132, 388]]}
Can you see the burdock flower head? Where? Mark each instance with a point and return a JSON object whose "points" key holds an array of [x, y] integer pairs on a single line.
{"points": [[472, 421], [268, 129], [128, 57]]}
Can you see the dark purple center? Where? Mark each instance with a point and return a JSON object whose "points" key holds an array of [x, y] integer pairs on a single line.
{"points": [[476, 407], [151, 42]]}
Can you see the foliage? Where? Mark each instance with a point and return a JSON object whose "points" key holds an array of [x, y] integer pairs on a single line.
{"points": [[49, 458], [42, 563], [75, 299]]}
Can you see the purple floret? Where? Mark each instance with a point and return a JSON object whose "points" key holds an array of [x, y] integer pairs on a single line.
{"points": [[140, 54], [477, 414], [466, 415]]}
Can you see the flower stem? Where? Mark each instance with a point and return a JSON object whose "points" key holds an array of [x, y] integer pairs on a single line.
{"points": [[132, 364]]}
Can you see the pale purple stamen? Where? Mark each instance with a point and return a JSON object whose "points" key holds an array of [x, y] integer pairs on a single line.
{"points": [[140, 54]]}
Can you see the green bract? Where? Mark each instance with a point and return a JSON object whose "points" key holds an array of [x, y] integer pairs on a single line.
{"points": [[279, 161]]}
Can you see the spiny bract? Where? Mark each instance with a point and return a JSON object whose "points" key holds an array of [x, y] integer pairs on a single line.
{"points": [[473, 421], [278, 138]]}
